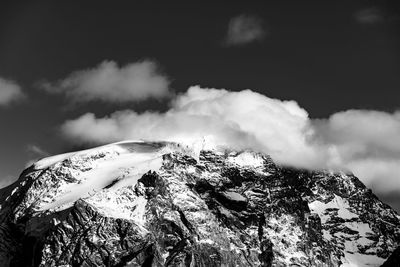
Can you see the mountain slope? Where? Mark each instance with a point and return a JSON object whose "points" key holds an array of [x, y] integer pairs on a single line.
{"points": [[163, 204]]}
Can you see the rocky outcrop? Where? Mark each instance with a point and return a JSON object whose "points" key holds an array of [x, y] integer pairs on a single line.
{"points": [[220, 209], [394, 259]]}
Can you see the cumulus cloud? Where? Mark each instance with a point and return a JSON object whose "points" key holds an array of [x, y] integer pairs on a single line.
{"points": [[10, 92], [381, 174], [245, 29], [365, 142], [368, 143], [362, 133], [110, 83], [238, 119]]}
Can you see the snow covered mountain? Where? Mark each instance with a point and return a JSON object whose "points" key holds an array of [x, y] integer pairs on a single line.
{"points": [[164, 204]]}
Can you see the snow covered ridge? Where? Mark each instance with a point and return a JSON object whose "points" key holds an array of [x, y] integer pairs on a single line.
{"points": [[138, 203]]}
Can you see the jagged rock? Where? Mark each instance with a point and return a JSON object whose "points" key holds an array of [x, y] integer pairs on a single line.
{"points": [[161, 204], [393, 260]]}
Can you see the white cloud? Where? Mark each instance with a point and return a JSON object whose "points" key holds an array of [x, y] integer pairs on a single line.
{"points": [[366, 142], [381, 174], [238, 119], [359, 134], [10, 92], [245, 29], [110, 83]]}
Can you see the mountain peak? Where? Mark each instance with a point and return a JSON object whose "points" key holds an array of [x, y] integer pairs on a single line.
{"points": [[137, 203]]}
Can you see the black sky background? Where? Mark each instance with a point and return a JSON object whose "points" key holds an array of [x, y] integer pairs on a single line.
{"points": [[315, 52]]}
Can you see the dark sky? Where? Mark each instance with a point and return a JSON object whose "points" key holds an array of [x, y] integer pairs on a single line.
{"points": [[320, 53]]}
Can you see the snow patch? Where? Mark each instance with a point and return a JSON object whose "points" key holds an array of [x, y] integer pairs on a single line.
{"points": [[47, 162], [351, 241], [234, 196], [341, 204], [359, 260], [247, 159], [117, 167]]}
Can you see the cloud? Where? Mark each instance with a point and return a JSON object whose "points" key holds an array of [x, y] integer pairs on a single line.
{"points": [[6, 181], [35, 153], [378, 173], [362, 134], [10, 92], [238, 119], [245, 29], [110, 83], [368, 143], [370, 15], [365, 142]]}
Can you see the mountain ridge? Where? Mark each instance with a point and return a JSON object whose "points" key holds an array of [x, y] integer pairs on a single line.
{"points": [[165, 204]]}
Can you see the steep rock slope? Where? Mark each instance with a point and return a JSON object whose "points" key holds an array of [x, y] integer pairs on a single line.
{"points": [[162, 204]]}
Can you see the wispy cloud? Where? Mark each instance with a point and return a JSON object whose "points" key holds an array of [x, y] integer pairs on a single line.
{"points": [[10, 92], [35, 153], [369, 15], [245, 29], [366, 142], [110, 83], [6, 181]]}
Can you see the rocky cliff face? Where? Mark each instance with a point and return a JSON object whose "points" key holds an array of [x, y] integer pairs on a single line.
{"points": [[160, 204]]}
